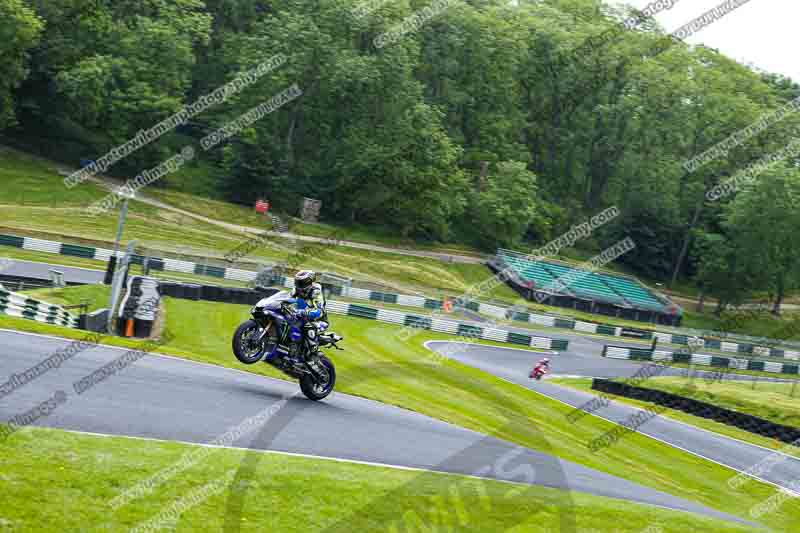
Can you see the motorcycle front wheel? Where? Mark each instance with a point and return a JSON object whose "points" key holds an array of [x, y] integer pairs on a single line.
{"points": [[245, 347], [315, 390]]}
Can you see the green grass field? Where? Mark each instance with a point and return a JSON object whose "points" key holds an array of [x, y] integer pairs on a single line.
{"points": [[64, 481], [379, 365]]}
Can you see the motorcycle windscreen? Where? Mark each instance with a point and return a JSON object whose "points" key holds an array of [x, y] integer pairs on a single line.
{"points": [[274, 302]]}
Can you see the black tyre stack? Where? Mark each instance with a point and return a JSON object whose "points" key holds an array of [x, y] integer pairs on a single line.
{"points": [[141, 305], [744, 421]]}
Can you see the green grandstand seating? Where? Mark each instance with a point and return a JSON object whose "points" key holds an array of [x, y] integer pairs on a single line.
{"points": [[584, 284], [530, 271], [634, 292]]}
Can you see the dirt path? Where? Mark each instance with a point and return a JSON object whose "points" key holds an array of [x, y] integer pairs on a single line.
{"points": [[691, 303]]}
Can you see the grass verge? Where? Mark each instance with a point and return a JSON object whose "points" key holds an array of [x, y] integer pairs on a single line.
{"points": [[96, 296], [61, 481]]}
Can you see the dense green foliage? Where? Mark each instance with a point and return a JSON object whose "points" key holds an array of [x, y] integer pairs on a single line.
{"points": [[19, 32], [489, 123]]}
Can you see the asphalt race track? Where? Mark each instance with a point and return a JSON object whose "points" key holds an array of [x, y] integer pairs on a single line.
{"points": [[514, 365], [41, 271], [174, 399]]}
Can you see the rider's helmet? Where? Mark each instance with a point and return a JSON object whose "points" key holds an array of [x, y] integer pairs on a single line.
{"points": [[546, 361], [303, 282]]}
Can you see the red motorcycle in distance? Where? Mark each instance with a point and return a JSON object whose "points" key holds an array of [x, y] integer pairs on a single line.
{"points": [[539, 370]]}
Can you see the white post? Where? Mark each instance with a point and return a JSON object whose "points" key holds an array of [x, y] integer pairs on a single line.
{"points": [[116, 286]]}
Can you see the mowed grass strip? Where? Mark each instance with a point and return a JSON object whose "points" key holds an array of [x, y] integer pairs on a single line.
{"points": [[377, 364], [150, 226], [33, 181], [54, 480]]}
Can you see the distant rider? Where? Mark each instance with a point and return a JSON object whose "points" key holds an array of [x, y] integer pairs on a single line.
{"points": [[310, 305], [544, 364]]}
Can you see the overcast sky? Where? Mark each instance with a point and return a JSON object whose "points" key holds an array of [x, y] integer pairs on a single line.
{"points": [[763, 33]]}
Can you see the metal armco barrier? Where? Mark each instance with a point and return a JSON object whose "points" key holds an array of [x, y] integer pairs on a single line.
{"points": [[492, 310], [750, 423], [251, 296], [644, 354], [446, 326], [19, 305]]}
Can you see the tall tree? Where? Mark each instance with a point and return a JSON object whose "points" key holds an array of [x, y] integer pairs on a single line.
{"points": [[503, 209], [765, 219], [20, 30]]}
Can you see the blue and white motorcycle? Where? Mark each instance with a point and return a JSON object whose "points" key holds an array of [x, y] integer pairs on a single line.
{"points": [[275, 335]]}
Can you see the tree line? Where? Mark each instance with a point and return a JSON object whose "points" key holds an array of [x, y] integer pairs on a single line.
{"points": [[492, 123]]}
